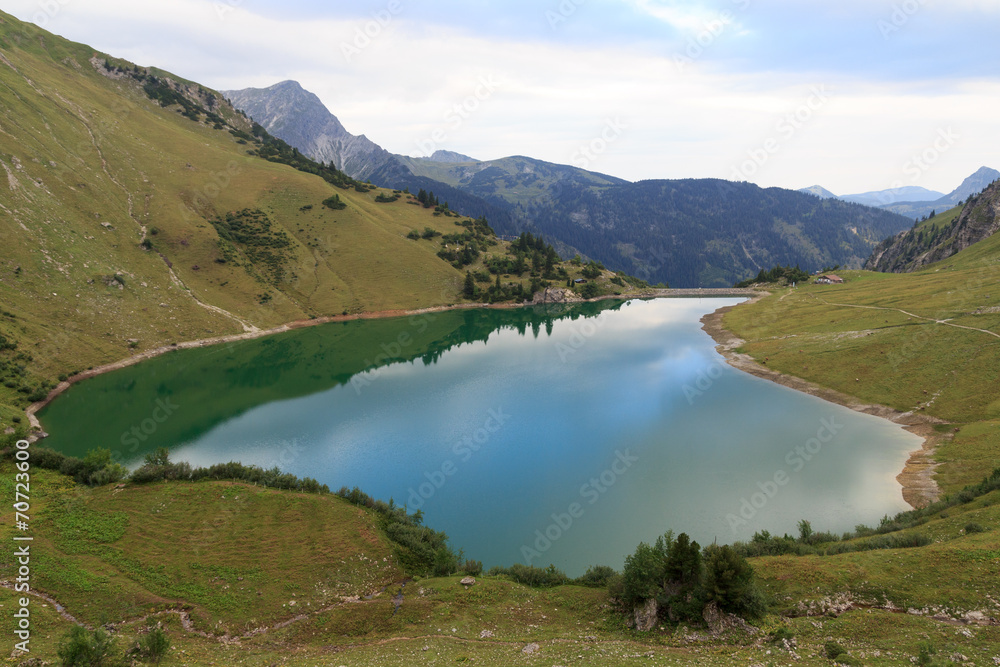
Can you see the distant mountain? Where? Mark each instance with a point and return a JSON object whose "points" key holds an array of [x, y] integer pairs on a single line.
{"points": [[685, 233], [908, 193], [819, 191], [708, 232], [517, 180], [140, 209], [941, 236], [974, 184], [450, 156], [297, 116]]}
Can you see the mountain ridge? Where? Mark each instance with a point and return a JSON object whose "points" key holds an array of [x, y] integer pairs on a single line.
{"points": [[972, 185], [578, 211], [940, 237]]}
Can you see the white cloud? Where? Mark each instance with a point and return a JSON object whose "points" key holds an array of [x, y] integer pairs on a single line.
{"points": [[553, 96]]}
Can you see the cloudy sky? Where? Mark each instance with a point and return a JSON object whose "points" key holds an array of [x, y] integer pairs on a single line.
{"points": [[854, 95]]}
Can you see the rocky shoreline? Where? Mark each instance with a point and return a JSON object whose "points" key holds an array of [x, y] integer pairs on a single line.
{"points": [[917, 477]]}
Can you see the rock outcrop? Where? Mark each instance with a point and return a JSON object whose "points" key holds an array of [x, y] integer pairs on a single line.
{"points": [[918, 247], [297, 116]]}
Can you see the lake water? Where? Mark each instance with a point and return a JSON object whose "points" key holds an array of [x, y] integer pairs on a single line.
{"points": [[561, 435]]}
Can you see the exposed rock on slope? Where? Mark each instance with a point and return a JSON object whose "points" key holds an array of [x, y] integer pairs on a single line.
{"points": [[289, 111], [924, 244]]}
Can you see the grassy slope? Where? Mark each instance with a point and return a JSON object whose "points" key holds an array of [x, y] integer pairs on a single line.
{"points": [[81, 150], [235, 557], [108, 554], [942, 219], [885, 356], [122, 160]]}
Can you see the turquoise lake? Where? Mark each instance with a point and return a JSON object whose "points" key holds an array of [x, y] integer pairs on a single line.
{"points": [[562, 435]]}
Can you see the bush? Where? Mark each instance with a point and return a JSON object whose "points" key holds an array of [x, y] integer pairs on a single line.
{"points": [[472, 568], [643, 574], [47, 459], [334, 203], [880, 542], [109, 474], [729, 582], [153, 646], [597, 576], [81, 648], [413, 235], [590, 291], [780, 635], [833, 650], [974, 528], [445, 562], [529, 575]]}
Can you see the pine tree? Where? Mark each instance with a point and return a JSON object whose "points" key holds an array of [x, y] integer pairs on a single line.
{"points": [[470, 286]]}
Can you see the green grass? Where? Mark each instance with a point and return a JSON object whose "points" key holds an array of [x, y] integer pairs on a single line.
{"points": [[885, 356], [941, 220], [236, 558], [89, 162]]}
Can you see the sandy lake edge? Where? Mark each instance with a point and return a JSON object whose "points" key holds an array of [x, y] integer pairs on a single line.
{"points": [[917, 478]]}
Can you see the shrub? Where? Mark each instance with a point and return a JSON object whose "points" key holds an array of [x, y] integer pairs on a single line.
{"points": [[529, 575], [780, 635], [414, 235], [109, 474], [153, 646], [590, 291], [48, 459], [334, 203], [833, 650], [81, 648], [597, 576], [472, 568], [643, 574], [729, 582], [445, 562], [974, 528]]}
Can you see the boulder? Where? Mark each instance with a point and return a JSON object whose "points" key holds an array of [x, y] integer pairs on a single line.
{"points": [[721, 623], [646, 616]]}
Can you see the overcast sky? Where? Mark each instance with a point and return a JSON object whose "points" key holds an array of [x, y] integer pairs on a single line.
{"points": [[854, 95]]}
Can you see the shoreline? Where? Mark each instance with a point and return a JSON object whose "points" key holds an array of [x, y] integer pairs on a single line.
{"points": [[917, 478], [36, 432]]}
